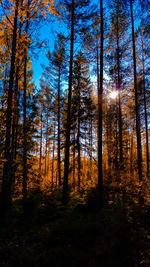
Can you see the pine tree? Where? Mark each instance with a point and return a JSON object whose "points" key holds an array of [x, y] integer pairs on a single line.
{"points": [[82, 106], [67, 137], [118, 27], [138, 130], [100, 109], [59, 63], [7, 179]]}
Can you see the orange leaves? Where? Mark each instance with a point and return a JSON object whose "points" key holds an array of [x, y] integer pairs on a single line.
{"points": [[50, 6], [52, 9]]}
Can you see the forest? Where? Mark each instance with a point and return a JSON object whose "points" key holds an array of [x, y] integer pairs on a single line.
{"points": [[74, 133]]}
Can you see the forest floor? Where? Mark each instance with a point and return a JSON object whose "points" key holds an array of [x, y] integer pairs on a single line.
{"points": [[48, 233]]}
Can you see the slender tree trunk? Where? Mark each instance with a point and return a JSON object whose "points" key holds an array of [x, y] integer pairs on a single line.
{"points": [[16, 109], [116, 142], [59, 159], [97, 63], [15, 124], [138, 130], [91, 142], [25, 127], [145, 114], [4, 88], [79, 162], [25, 169], [119, 87], [78, 141], [46, 145], [100, 128], [41, 136], [109, 133], [2, 138], [120, 131], [90, 148], [53, 158], [7, 179], [67, 143], [85, 167], [131, 155], [74, 153], [48, 164]]}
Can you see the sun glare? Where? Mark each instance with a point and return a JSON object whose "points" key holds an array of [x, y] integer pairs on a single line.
{"points": [[113, 94]]}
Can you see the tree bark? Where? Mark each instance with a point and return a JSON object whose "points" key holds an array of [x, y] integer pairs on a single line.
{"points": [[15, 125], [41, 136], [145, 114], [59, 159], [53, 157], [100, 110], [7, 179], [78, 139], [138, 130], [46, 145], [25, 127], [67, 143], [74, 153], [90, 147], [119, 87], [16, 109]]}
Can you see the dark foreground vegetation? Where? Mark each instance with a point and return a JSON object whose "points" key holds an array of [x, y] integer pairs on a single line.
{"points": [[41, 231]]}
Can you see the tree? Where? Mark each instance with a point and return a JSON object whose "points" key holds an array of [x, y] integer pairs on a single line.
{"points": [[82, 109], [116, 57], [100, 110], [138, 130], [7, 179], [67, 142], [59, 63], [143, 33], [76, 12], [145, 109], [24, 106], [52, 75]]}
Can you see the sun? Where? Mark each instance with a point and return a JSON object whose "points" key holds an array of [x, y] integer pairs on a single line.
{"points": [[113, 94]]}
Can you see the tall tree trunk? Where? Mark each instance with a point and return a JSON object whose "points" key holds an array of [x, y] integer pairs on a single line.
{"points": [[116, 144], [41, 136], [53, 158], [2, 138], [16, 109], [67, 143], [4, 87], [100, 96], [25, 169], [15, 124], [109, 133], [74, 153], [46, 145], [25, 127], [145, 113], [131, 154], [90, 148], [97, 66], [91, 140], [7, 179], [78, 141], [119, 87], [59, 159], [138, 130]]}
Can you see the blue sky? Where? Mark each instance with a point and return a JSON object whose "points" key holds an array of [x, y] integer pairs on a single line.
{"points": [[48, 32]]}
